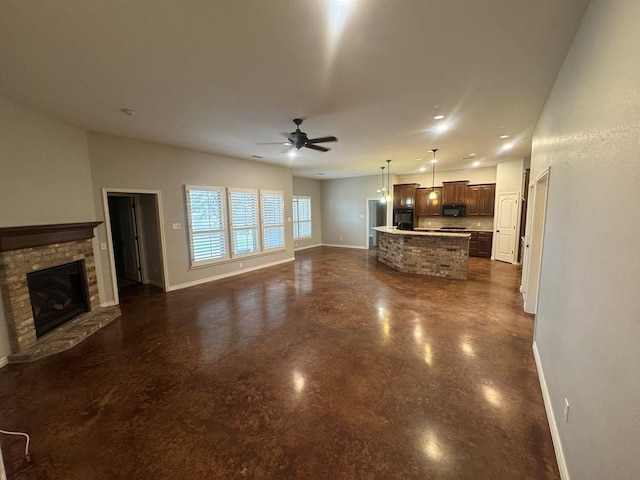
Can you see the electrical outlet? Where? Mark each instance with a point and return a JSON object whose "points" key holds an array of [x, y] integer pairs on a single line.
{"points": [[175, 226], [240, 264], [566, 410], [103, 246]]}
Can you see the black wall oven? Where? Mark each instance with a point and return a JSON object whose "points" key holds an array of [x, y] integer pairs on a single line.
{"points": [[403, 218]]}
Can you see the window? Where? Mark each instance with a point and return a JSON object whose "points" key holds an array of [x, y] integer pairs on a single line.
{"points": [[244, 221], [272, 209], [301, 217], [207, 225]]}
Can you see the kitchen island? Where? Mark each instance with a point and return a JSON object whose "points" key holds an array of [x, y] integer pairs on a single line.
{"points": [[439, 254]]}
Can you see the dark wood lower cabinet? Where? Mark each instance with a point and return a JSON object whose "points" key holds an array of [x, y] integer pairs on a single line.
{"points": [[480, 244]]}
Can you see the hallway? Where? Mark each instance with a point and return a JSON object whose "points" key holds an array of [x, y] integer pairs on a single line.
{"points": [[332, 366]]}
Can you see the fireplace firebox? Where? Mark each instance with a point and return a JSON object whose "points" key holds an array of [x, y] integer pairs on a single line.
{"points": [[58, 294]]}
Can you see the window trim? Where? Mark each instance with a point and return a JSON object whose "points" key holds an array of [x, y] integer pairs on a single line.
{"points": [[258, 251], [281, 225], [225, 225], [297, 222]]}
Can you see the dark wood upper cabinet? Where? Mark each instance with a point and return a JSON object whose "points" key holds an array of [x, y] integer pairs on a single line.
{"points": [[404, 195], [454, 192], [481, 200], [428, 207]]}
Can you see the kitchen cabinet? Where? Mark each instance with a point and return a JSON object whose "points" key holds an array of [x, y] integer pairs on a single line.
{"points": [[404, 195], [454, 192], [426, 207], [480, 244], [481, 200]]}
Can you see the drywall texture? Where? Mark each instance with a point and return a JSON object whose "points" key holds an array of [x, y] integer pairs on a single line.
{"points": [[309, 187], [474, 175], [131, 164], [588, 326], [344, 210], [509, 176], [45, 175]]}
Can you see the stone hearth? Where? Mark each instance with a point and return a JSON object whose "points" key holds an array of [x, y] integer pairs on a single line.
{"points": [[28, 249]]}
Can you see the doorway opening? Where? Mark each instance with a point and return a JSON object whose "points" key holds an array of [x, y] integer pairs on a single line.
{"points": [[533, 245], [136, 242], [376, 217]]}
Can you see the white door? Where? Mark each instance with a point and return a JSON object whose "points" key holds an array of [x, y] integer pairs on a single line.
{"points": [[506, 227]]}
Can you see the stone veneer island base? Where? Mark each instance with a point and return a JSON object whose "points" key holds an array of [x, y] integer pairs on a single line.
{"points": [[425, 253]]}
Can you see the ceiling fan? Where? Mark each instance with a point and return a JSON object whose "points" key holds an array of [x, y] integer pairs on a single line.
{"points": [[300, 139]]}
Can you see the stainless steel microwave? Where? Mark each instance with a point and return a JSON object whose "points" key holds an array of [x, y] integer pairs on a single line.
{"points": [[454, 210]]}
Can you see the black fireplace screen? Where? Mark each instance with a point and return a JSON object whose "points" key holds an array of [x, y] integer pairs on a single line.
{"points": [[58, 294]]}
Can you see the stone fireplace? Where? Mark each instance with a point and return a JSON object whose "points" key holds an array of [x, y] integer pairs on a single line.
{"points": [[55, 261]]}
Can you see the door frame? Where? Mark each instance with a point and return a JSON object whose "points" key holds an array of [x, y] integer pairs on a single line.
{"points": [[107, 222], [514, 259], [536, 233], [366, 221]]}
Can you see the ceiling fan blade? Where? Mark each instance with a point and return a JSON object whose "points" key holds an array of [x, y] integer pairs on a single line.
{"points": [[322, 140], [272, 143], [317, 147]]}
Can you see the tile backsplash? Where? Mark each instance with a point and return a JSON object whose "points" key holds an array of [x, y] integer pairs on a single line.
{"points": [[480, 223]]}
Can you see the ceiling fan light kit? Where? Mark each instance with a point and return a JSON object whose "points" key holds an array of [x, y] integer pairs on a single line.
{"points": [[299, 139]]}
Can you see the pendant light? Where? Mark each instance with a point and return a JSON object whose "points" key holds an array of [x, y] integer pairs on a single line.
{"points": [[388, 180], [433, 195], [383, 197]]}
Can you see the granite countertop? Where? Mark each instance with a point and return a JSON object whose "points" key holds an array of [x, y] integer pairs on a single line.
{"points": [[432, 233], [434, 229]]}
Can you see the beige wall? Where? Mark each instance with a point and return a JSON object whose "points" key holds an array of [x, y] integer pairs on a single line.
{"points": [[131, 164], [45, 175], [309, 187], [509, 176], [344, 210], [474, 175], [587, 326]]}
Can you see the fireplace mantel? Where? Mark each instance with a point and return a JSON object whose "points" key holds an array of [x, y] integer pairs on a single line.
{"points": [[14, 238]]}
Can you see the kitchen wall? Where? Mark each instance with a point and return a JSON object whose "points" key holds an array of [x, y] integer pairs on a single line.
{"points": [[587, 326], [474, 175], [122, 163], [472, 223], [310, 187], [45, 175]]}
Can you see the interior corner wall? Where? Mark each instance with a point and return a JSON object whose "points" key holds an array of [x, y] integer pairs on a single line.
{"points": [[344, 209], [128, 164], [45, 176], [588, 321], [309, 187]]}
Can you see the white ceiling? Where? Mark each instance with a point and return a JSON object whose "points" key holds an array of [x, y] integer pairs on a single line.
{"points": [[223, 75]]}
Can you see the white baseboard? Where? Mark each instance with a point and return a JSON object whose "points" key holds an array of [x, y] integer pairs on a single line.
{"points": [[344, 246], [3, 361], [110, 303], [308, 246], [553, 426], [180, 286]]}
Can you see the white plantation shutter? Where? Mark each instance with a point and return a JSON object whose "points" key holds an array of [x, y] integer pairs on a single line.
{"points": [[301, 217], [272, 209], [244, 221], [207, 225]]}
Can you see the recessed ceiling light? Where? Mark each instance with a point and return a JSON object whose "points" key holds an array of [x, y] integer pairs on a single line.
{"points": [[128, 112], [475, 164], [504, 136], [418, 159], [438, 117], [472, 154], [423, 169], [507, 146]]}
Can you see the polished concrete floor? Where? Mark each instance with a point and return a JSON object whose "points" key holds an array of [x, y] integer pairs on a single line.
{"points": [[331, 367]]}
